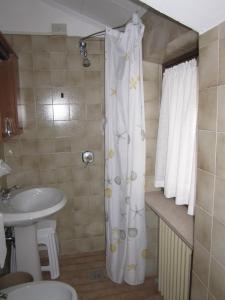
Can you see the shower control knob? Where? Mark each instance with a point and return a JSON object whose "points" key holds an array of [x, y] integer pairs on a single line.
{"points": [[87, 157]]}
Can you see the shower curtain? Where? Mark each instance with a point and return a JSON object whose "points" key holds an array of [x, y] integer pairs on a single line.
{"points": [[125, 155], [175, 168]]}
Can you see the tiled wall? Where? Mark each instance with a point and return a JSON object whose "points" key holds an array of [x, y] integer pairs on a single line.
{"points": [[61, 110], [208, 280], [57, 130], [152, 88]]}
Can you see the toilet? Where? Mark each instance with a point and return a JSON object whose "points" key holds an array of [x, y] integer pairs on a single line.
{"points": [[44, 290]]}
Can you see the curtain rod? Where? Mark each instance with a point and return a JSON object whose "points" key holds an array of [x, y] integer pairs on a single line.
{"points": [[185, 57], [102, 32]]}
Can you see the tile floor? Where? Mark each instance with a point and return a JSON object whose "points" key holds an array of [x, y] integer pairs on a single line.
{"points": [[86, 273]]}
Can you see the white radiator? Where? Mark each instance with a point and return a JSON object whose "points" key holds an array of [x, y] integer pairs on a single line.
{"points": [[174, 265]]}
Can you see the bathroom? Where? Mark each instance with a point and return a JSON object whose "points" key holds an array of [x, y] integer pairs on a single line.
{"points": [[61, 109]]}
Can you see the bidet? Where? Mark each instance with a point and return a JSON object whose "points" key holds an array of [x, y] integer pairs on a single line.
{"points": [[44, 290]]}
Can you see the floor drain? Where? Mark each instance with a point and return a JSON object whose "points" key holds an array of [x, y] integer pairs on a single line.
{"points": [[97, 274]]}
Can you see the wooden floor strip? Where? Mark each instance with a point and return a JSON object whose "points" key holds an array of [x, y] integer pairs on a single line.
{"points": [[87, 274]]}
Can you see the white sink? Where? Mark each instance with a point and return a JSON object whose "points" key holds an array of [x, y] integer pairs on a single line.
{"points": [[25, 207], [23, 210], [44, 290]]}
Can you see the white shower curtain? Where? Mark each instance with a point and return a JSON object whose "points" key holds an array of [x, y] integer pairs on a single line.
{"points": [[175, 168], [125, 155]]}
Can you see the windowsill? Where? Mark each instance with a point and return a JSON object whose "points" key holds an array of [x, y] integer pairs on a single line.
{"points": [[174, 215]]}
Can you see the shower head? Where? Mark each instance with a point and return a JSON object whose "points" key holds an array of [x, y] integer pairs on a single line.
{"points": [[86, 62], [83, 53]]}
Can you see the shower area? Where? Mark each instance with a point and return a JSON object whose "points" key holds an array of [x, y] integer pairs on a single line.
{"points": [[64, 114]]}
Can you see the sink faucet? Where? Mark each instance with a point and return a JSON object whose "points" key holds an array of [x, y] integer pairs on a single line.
{"points": [[3, 295], [5, 193]]}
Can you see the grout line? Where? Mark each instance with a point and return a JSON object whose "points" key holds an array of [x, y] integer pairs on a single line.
{"points": [[196, 275]]}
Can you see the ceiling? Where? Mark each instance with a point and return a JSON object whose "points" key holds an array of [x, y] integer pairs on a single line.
{"points": [[102, 12], [200, 15]]}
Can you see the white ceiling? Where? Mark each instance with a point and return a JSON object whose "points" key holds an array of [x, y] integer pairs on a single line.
{"points": [[200, 15], [103, 12]]}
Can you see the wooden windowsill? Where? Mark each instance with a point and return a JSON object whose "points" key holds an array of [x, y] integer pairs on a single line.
{"points": [[174, 215]]}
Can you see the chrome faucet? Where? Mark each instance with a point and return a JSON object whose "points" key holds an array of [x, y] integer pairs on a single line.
{"points": [[5, 193], [3, 295]]}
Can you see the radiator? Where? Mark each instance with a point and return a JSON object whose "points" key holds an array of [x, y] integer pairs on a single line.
{"points": [[174, 265]]}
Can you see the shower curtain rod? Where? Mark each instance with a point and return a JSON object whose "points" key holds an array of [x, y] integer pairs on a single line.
{"points": [[102, 32]]}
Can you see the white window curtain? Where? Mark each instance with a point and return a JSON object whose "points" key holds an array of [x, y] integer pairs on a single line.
{"points": [[125, 155], [175, 168]]}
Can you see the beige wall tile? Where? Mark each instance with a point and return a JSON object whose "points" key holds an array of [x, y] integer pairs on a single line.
{"points": [[220, 153], [58, 60], [207, 109], [221, 108], [25, 61], [198, 290], [218, 241], [61, 112], [72, 44], [219, 211], [39, 42], [57, 44], [208, 65], [92, 78], [43, 95], [62, 95], [64, 175], [27, 117], [75, 79], [205, 188], [217, 279], [211, 297], [29, 146], [59, 78], [21, 43], [63, 144], [222, 30], [45, 146], [44, 112], [41, 60], [42, 78], [48, 176], [77, 111], [151, 90], [12, 148], [74, 61], [206, 150], [29, 162], [208, 37], [63, 159], [94, 112], [26, 96], [203, 226], [47, 161], [81, 203], [26, 78], [93, 96], [222, 62], [201, 262]]}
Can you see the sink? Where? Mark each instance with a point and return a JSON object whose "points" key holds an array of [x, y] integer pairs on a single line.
{"points": [[28, 206], [23, 209], [44, 290]]}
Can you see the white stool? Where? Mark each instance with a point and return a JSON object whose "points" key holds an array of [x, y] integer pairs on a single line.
{"points": [[46, 235]]}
